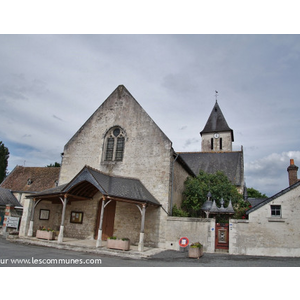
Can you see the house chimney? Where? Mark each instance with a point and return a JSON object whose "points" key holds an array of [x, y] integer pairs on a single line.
{"points": [[292, 170]]}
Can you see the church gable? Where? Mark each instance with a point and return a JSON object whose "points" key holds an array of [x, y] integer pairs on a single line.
{"points": [[121, 139]]}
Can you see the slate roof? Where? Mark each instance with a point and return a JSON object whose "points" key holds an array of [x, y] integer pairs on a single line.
{"points": [[216, 122], [255, 201], [129, 188], [268, 200], [112, 186], [7, 197], [42, 178], [231, 163]]}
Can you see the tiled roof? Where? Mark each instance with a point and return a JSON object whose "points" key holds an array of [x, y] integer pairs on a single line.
{"points": [[41, 178], [230, 163], [7, 197]]}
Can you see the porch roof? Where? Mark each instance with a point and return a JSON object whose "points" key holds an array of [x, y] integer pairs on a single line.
{"points": [[89, 181]]}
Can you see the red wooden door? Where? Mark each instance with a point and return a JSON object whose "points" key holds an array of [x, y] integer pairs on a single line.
{"points": [[108, 220], [222, 236]]}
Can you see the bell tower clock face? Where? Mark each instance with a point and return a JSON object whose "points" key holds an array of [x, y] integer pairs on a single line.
{"points": [[216, 135]]}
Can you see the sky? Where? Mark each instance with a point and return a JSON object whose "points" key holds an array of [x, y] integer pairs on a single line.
{"points": [[50, 84]]}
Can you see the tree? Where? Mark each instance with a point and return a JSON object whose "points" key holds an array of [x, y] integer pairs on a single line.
{"points": [[4, 155], [56, 164], [197, 188], [253, 193]]}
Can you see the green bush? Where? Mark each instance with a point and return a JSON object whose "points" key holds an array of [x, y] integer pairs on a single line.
{"points": [[178, 212], [196, 245]]}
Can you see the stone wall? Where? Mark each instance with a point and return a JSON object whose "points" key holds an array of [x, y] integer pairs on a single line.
{"points": [[180, 176], [54, 216], [195, 229], [266, 235], [86, 230], [226, 142], [128, 223]]}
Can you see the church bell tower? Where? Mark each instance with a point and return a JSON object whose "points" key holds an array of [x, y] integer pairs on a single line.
{"points": [[217, 136]]}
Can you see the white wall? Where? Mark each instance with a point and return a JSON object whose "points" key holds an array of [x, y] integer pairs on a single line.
{"points": [[195, 229], [266, 235]]}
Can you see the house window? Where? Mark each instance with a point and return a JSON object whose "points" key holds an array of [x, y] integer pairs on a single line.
{"points": [[276, 211], [221, 143], [212, 144], [115, 142]]}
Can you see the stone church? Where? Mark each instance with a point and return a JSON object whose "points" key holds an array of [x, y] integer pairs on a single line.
{"points": [[120, 176]]}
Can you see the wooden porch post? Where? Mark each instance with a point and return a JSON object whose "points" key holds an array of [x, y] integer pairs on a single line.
{"points": [[141, 242], [61, 230], [99, 239]]}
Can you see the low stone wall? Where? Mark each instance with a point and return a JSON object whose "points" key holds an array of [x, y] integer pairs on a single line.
{"points": [[195, 229]]}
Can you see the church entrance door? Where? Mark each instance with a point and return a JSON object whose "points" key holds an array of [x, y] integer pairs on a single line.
{"points": [[222, 237]]}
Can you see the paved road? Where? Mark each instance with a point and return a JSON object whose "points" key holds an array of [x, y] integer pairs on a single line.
{"points": [[20, 255]]}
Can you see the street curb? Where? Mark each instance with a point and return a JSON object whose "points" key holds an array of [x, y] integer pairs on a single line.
{"points": [[111, 252]]}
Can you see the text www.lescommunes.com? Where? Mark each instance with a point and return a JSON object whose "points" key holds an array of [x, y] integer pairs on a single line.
{"points": [[50, 261]]}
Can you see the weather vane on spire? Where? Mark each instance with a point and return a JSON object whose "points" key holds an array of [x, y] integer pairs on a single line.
{"points": [[216, 96]]}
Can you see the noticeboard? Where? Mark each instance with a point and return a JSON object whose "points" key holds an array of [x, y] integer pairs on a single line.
{"points": [[12, 222]]}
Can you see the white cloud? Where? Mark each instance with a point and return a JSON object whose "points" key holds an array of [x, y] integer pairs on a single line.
{"points": [[269, 174]]}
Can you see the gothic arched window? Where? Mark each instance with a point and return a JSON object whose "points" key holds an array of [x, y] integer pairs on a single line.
{"points": [[114, 144]]}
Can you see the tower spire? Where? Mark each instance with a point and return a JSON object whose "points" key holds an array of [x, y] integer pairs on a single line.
{"points": [[216, 95]]}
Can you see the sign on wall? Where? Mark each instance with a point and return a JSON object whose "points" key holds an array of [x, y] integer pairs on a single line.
{"points": [[184, 242], [12, 222]]}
